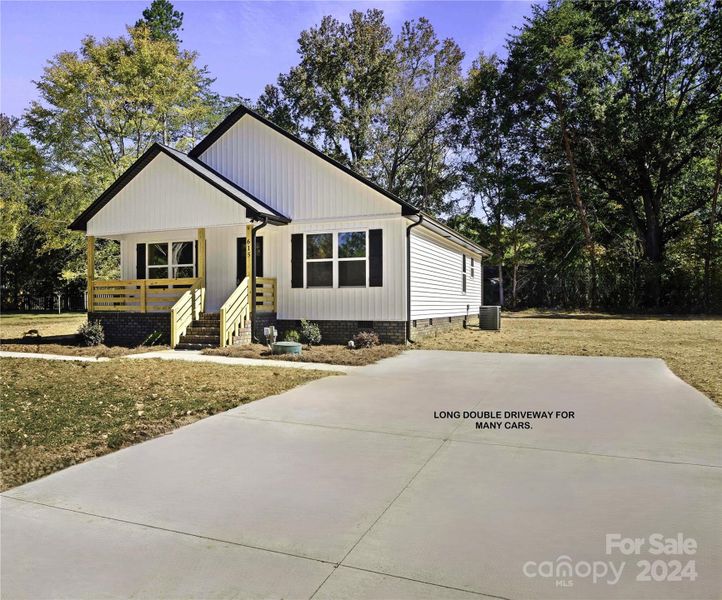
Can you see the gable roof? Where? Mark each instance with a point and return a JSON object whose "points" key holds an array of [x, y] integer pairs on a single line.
{"points": [[255, 207], [241, 111], [407, 209]]}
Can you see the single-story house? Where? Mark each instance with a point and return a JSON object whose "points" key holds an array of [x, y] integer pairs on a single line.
{"points": [[256, 227]]}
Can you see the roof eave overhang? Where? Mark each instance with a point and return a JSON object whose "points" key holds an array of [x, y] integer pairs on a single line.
{"points": [[454, 236]]}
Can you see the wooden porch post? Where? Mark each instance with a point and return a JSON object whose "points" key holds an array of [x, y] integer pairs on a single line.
{"points": [[202, 255], [91, 270], [249, 270]]}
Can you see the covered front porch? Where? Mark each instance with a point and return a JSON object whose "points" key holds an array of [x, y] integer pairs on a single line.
{"points": [[175, 294]]}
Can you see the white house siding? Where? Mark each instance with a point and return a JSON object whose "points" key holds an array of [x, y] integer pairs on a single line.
{"points": [[290, 178], [436, 278], [385, 303], [165, 196]]}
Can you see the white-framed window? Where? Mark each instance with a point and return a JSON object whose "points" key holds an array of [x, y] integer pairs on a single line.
{"points": [[337, 259], [472, 268], [319, 259], [170, 260], [352, 258]]}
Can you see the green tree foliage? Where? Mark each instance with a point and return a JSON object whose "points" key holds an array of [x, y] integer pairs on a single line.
{"points": [[163, 21], [377, 104]]}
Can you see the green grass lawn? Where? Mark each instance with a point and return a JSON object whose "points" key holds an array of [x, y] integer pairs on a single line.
{"points": [[56, 414], [690, 345]]}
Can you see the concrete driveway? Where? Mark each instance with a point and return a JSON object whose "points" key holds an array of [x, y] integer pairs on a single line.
{"points": [[349, 487]]}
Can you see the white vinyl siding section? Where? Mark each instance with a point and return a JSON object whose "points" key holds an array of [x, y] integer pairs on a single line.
{"points": [[290, 178], [436, 278], [165, 196], [385, 303]]}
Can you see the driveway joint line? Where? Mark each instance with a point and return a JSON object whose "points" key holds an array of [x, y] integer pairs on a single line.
{"points": [[441, 585], [340, 427], [446, 437], [169, 530], [582, 453], [383, 512]]}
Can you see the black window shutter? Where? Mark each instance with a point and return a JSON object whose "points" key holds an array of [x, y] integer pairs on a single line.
{"points": [[463, 277], [297, 260], [376, 257], [240, 259], [259, 257], [140, 261]]}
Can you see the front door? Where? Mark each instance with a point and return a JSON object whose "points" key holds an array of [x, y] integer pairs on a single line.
{"points": [[241, 258]]}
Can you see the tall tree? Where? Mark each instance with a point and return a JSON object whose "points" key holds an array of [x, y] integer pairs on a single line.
{"points": [[409, 145], [658, 105], [163, 21], [102, 107], [339, 85], [552, 63]]}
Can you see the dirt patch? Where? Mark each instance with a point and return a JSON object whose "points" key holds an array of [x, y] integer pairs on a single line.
{"points": [[327, 353]]}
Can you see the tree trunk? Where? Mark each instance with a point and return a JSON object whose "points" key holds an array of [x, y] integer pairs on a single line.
{"points": [[709, 254], [514, 273], [582, 211], [499, 252], [501, 285]]}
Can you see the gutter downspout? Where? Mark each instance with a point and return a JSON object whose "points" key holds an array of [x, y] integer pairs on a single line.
{"points": [[408, 276], [253, 275]]}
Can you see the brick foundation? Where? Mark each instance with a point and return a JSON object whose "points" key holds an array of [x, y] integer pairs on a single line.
{"points": [[132, 329], [340, 332], [261, 320], [421, 328]]}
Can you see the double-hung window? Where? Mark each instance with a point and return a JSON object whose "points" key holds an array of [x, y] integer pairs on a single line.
{"points": [[170, 260], [337, 259], [319, 260], [352, 259]]}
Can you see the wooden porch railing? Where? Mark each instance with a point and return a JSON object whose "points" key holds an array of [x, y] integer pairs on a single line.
{"points": [[188, 308], [266, 294], [235, 312], [138, 295]]}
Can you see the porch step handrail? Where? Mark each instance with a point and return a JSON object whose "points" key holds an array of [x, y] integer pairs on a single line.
{"points": [[187, 309], [235, 312]]}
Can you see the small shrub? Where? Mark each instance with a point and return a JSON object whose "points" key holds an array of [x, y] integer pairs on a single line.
{"points": [[91, 333], [366, 339], [292, 336], [310, 333]]}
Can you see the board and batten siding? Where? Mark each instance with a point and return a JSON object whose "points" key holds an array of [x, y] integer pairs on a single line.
{"points": [[384, 303], [437, 278], [290, 178], [165, 196]]}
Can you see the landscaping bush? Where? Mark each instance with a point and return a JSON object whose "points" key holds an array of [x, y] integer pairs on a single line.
{"points": [[310, 333], [292, 336], [366, 339], [91, 333]]}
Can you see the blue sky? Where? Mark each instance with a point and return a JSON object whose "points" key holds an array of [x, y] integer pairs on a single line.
{"points": [[245, 44]]}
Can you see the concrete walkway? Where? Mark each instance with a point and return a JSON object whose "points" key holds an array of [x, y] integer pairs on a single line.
{"points": [[357, 487], [196, 356], [7, 354]]}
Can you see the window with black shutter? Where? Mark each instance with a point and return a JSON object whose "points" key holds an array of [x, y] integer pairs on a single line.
{"points": [[297, 260], [376, 258]]}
